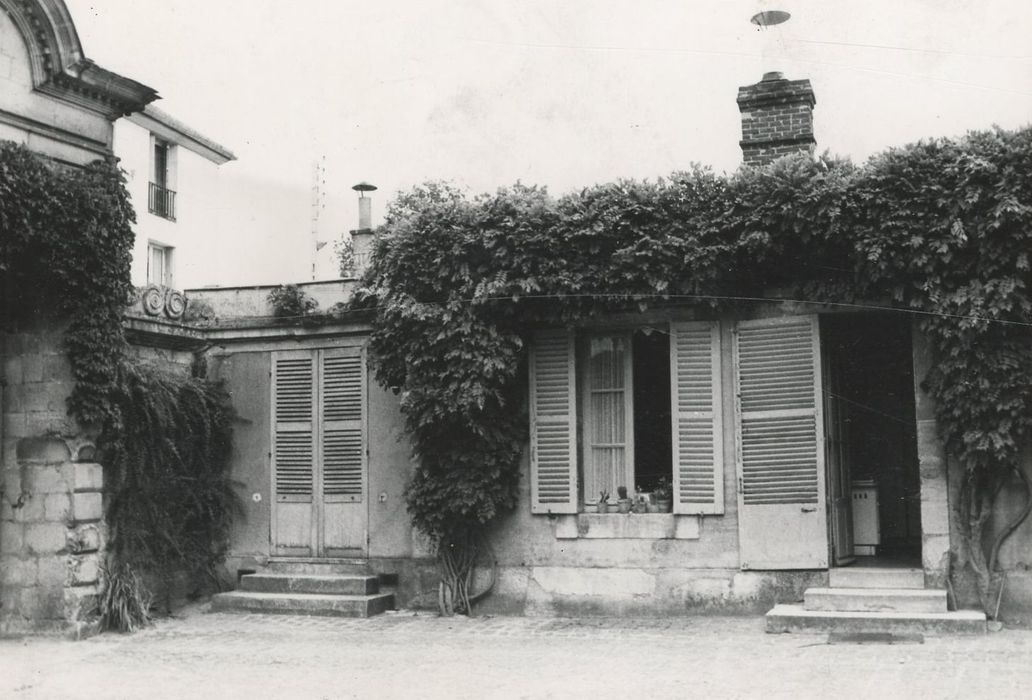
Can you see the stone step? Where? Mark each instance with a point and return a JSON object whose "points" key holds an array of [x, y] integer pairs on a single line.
{"points": [[302, 603], [874, 577], [875, 600], [332, 584], [317, 567], [794, 618]]}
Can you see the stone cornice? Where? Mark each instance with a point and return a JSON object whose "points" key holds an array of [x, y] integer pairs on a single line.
{"points": [[61, 70]]}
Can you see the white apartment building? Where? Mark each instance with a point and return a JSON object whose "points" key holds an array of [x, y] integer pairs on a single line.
{"points": [[174, 180]]}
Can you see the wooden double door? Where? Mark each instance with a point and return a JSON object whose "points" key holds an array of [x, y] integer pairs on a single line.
{"points": [[319, 453]]}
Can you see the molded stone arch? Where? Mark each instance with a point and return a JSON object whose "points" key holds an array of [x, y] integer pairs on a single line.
{"points": [[59, 66]]}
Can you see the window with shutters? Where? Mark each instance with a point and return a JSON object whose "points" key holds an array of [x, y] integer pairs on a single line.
{"points": [[637, 408], [625, 409]]}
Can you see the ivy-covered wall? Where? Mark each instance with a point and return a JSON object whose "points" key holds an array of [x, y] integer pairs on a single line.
{"points": [[939, 230]]}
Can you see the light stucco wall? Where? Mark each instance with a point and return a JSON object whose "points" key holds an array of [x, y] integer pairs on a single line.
{"points": [[44, 124], [198, 260], [246, 373], [665, 564], [633, 564]]}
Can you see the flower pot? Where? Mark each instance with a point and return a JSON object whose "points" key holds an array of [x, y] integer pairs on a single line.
{"points": [[640, 507], [623, 505], [664, 506], [590, 508], [603, 507]]}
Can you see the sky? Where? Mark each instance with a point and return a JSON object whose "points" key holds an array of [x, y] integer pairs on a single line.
{"points": [[562, 93]]}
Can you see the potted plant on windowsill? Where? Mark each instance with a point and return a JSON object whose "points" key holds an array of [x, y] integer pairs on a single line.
{"points": [[663, 496], [623, 503], [641, 501], [603, 501]]}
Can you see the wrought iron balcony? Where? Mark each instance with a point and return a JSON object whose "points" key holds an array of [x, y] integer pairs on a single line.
{"points": [[162, 201]]}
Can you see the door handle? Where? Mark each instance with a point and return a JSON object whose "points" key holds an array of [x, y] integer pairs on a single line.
{"points": [[809, 509]]}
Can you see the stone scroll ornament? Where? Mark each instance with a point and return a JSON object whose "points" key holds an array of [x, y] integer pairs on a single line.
{"points": [[175, 304], [157, 300], [153, 300]]}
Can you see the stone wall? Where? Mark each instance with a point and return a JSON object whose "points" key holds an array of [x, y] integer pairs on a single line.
{"points": [[229, 303], [51, 535]]}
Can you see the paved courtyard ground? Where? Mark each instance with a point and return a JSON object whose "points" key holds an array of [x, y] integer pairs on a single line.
{"points": [[403, 655]]}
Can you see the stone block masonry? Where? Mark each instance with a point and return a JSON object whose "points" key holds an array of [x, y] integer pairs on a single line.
{"points": [[50, 556], [51, 496]]}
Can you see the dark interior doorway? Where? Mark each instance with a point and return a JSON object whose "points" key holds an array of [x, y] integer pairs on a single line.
{"points": [[870, 421]]}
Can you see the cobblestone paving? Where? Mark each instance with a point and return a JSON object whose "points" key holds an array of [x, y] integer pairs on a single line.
{"points": [[403, 655]]}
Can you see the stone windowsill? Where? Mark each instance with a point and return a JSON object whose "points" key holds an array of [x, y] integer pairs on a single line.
{"points": [[627, 526]]}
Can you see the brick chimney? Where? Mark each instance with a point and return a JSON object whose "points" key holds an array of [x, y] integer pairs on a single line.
{"points": [[777, 118]]}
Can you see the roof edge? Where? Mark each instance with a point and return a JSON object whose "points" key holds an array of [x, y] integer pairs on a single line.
{"points": [[174, 130]]}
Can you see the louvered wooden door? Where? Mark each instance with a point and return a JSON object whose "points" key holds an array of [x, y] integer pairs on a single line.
{"points": [[780, 448], [319, 453]]}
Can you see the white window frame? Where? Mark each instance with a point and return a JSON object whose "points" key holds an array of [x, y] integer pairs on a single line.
{"points": [[560, 410], [166, 277], [591, 485]]}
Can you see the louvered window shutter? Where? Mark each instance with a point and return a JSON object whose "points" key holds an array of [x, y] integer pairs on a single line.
{"points": [[778, 376], [343, 449], [696, 413], [293, 393], [553, 424]]}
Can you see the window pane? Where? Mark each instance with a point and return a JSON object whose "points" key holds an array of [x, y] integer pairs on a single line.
{"points": [[606, 438], [157, 266], [160, 164]]}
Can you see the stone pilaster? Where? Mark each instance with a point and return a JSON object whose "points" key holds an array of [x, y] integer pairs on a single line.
{"points": [[51, 502], [932, 462]]}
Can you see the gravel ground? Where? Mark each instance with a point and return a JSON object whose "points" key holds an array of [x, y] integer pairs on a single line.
{"points": [[407, 655]]}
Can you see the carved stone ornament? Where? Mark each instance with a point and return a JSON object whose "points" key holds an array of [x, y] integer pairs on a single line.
{"points": [[156, 300], [175, 304], [153, 300]]}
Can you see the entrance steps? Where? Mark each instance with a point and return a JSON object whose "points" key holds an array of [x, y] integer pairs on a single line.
{"points": [[874, 600], [341, 589]]}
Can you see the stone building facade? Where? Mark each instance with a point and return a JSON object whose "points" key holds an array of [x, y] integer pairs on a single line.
{"points": [[58, 103]]}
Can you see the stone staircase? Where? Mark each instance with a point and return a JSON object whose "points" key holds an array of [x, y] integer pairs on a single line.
{"points": [[874, 600], [335, 588]]}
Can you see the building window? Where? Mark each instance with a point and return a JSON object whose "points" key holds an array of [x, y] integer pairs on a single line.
{"points": [[636, 408], [161, 199], [159, 264], [625, 426]]}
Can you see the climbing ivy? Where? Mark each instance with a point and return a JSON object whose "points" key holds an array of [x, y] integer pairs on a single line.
{"points": [[939, 229], [65, 251]]}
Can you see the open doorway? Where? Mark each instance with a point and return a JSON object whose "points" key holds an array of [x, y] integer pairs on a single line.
{"points": [[871, 446]]}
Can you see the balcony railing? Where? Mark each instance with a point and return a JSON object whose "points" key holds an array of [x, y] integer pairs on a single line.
{"points": [[162, 201]]}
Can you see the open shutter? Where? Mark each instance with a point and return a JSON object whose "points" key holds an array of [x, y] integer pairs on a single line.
{"points": [[293, 393], [343, 450], [696, 416], [780, 448], [553, 421]]}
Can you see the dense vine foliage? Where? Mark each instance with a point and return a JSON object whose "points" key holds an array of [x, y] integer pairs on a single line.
{"points": [[939, 229], [170, 499], [64, 253], [65, 248]]}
